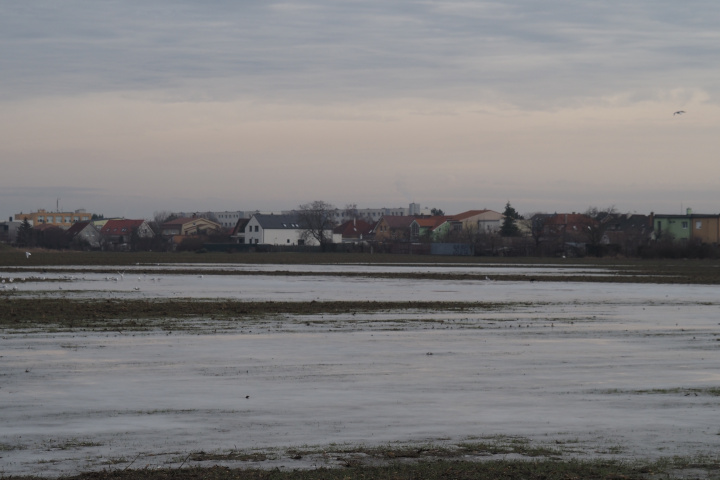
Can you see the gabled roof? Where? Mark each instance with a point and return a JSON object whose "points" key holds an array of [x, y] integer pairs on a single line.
{"points": [[398, 221], [432, 222], [185, 220], [77, 227], [626, 221], [120, 227], [240, 226], [353, 228], [470, 213], [278, 222]]}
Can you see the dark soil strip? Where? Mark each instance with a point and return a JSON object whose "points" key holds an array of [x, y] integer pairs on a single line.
{"points": [[443, 469], [33, 312]]}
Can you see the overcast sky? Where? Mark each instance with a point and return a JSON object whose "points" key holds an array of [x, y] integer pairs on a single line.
{"points": [[129, 107]]}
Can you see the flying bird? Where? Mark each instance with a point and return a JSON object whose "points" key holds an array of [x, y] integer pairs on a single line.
{"points": [[679, 112], [27, 254]]}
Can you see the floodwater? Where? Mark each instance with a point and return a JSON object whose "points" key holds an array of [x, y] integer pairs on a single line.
{"points": [[602, 370]]}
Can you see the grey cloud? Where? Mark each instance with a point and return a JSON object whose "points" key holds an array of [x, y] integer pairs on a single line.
{"points": [[529, 53]]}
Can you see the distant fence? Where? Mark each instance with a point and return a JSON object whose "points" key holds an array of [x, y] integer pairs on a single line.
{"points": [[456, 249], [459, 249], [256, 247]]}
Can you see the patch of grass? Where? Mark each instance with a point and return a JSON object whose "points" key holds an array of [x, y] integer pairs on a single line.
{"points": [[443, 469], [70, 444], [616, 270], [228, 456], [6, 447], [711, 391], [135, 315], [509, 445]]}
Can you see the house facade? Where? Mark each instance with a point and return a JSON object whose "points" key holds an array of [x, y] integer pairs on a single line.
{"points": [[675, 227], [394, 228], [8, 231], [60, 219], [238, 232], [190, 226], [84, 236], [479, 221], [431, 229], [705, 228], [118, 234], [278, 230], [353, 231], [226, 218]]}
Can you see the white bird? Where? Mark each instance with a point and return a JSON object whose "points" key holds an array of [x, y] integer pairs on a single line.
{"points": [[27, 254], [679, 112]]}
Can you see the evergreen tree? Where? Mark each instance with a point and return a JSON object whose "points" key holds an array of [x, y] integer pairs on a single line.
{"points": [[509, 228], [25, 237]]}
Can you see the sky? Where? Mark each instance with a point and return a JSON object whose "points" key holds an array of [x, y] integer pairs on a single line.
{"points": [[127, 108]]}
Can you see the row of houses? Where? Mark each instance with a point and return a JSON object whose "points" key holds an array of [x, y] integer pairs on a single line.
{"points": [[289, 229]]}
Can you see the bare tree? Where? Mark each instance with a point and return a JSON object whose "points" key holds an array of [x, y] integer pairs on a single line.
{"points": [[595, 230], [536, 224], [162, 216], [350, 211], [316, 219]]}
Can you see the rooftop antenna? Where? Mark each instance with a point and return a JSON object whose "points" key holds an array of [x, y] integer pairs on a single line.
{"points": [[57, 205]]}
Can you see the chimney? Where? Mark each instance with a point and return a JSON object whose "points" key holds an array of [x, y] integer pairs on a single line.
{"points": [[689, 211]]}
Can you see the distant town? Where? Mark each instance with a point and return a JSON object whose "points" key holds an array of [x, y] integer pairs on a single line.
{"points": [[320, 226]]}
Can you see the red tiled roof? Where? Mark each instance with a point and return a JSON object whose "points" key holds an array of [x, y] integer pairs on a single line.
{"points": [[398, 221], [468, 214], [432, 222], [120, 227], [353, 228]]}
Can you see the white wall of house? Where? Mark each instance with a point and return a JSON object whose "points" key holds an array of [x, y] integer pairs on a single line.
{"points": [[256, 234]]}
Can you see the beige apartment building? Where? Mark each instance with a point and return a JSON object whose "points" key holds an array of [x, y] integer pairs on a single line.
{"points": [[61, 219]]}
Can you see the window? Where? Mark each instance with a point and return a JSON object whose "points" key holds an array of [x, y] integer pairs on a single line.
{"points": [[684, 225], [698, 225], [257, 228]]}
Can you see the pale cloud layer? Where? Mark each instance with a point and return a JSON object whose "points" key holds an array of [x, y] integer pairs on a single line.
{"points": [[127, 107]]}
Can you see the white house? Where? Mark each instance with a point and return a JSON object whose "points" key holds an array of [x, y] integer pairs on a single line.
{"points": [[277, 230]]}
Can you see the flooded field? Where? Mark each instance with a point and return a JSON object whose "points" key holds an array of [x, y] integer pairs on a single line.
{"points": [[588, 370]]}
